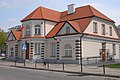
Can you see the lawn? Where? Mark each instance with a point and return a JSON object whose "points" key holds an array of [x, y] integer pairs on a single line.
{"points": [[113, 65]]}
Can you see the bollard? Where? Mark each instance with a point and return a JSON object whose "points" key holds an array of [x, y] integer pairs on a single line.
{"points": [[35, 64], [48, 65], [103, 68], [24, 62], [63, 66], [15, 62]]}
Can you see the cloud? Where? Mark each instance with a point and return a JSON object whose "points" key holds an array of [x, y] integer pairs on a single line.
{"points": [[4, 4], [11, 22]]}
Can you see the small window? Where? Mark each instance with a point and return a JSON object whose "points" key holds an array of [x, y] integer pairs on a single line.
{"points": [[103, 29], [37, 30], [110, 31], [114, 49], [11, 52], [95, 27], [67, 30], [27, 30]]}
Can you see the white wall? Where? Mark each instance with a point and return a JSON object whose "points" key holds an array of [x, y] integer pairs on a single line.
{"points": [[49, 26]]}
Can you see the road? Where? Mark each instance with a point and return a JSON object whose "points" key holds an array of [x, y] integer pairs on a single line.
{"points": [[9, 73]]}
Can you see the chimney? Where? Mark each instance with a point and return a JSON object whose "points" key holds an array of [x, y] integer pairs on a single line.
{"points": [[71, 8]]}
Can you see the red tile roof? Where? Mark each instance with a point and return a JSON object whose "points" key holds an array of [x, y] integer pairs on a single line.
{"points": [[83, 12], [17, 34], [78, 25], [80, 12], [43, 13]]}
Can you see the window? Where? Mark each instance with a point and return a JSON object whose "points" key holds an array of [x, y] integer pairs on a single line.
{"points": [[53, 49], [37, 30], [68, 50], [103, 29], [110, 31], [114, 49], [94, 27], [27, 31], [11, 52], [37, 48], [67, 30]]}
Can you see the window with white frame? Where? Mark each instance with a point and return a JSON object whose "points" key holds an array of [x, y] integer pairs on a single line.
{"points": [[37, 49], [95, 27], [37, 30], [110, 28], [114, 49], [11, 52], [68, 50], [67, 30], [27, 30], [103, 29], [53, 49]]}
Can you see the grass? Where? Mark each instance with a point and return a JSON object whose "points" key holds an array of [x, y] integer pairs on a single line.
{"points": [[113, 65]]}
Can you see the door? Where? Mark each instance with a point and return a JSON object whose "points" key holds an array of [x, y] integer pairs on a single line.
{"points": [[27, 51]]}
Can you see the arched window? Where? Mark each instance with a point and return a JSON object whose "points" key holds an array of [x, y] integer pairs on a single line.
{"points": [[27, 30], [37, 30], [67, 30], [68, 50]]}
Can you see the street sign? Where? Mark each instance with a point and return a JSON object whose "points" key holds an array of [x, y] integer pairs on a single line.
{"points": [[24, 47]]}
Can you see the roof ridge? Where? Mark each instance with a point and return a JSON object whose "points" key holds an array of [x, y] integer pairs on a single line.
{"points": [[35, 12], [90, 9], [41, 11]]}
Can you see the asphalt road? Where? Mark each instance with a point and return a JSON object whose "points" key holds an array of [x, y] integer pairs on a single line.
{"points": [[9, 73]]}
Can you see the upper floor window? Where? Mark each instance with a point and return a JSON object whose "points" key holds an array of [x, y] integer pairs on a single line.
{"points": [[27, 30], [95, 27], [110, 28], [38, 30], [103, 29], [67, 30]]}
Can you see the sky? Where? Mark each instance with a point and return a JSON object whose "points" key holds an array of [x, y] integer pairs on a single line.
{"points": [[12, 11]]}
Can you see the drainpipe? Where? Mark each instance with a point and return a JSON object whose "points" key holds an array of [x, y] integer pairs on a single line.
{"points": [[81, 65]]}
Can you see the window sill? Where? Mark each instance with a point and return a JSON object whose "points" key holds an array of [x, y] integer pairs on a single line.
{"points": [[66, 56]]}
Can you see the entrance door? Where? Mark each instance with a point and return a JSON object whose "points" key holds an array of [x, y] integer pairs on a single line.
{"points": [[27, 51]]}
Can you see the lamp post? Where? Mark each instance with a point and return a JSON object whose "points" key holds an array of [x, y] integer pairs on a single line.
{"points": [[103, 55]]}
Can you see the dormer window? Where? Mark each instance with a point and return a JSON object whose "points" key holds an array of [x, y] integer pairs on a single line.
{"points": [[27, 30], [67, 30], [103, 29], [37, 30], [95, 27]]}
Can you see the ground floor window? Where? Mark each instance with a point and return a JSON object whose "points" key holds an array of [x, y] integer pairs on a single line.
{"points": [[11, 52], [53, 49], [68, 50], [37, 48]]}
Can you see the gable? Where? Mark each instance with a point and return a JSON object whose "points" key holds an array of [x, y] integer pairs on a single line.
{"points": [[10, 37], [63, 29], [99, 22]]}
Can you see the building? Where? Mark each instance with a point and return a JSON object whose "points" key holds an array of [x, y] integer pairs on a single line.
{"points": [[68, 36]]}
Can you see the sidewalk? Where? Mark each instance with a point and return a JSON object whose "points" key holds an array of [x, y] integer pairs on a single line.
{"points": [[71, 68]]}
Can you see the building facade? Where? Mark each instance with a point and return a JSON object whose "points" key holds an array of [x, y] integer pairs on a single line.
{"points": [[68, 36]]}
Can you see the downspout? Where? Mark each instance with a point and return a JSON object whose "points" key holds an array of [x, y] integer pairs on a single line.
{"points": [[81, 65]]}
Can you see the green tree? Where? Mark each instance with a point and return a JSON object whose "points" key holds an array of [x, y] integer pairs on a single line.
{"points": [[2, 40]]}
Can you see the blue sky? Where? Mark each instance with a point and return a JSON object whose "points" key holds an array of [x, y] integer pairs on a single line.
{"points": [[12, 11]]}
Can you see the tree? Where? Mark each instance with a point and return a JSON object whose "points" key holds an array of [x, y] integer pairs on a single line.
{"points": [[2, 40]]}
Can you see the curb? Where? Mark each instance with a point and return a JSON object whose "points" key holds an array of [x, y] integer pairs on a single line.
{"points": [[105, 75]]}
